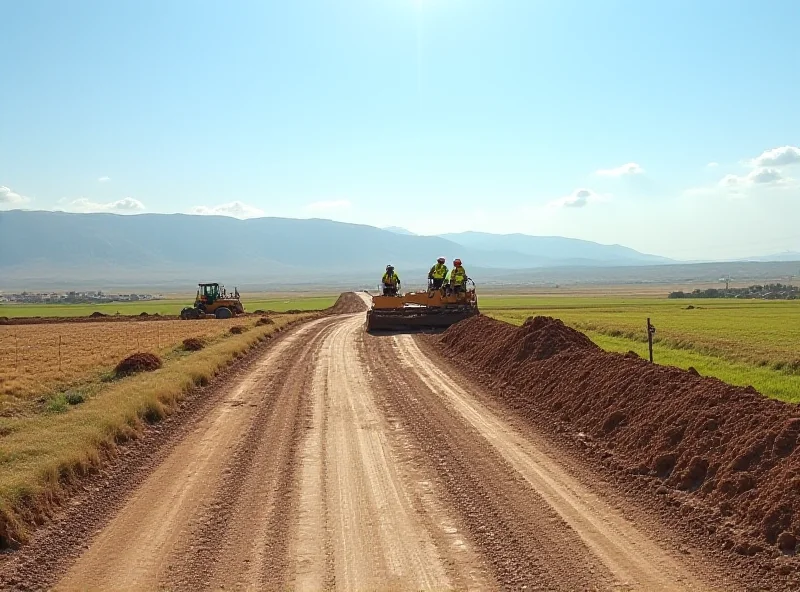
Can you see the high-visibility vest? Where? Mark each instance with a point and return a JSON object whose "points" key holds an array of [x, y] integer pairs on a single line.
{"points": [[390, 280], [438, 271], [458, 275]]}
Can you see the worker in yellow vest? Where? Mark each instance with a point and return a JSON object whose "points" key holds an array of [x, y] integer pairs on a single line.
{"points": [[390, 281], [438, 274], [458, 277]]}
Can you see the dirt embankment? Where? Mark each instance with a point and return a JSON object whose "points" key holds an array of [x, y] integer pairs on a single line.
{"points": [[348, 303], [727, 456]]}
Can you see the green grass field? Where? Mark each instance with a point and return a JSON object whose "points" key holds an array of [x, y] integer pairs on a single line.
{"points": [[163, 307], [743, 342]]}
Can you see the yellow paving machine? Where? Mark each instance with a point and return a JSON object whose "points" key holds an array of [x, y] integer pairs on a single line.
{"points": [[432, 309]]}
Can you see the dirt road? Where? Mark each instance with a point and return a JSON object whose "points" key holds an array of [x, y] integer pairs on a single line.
{"points": [[350, 461]]}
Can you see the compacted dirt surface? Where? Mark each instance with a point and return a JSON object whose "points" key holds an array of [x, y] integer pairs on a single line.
{"points": [[339, 459]]}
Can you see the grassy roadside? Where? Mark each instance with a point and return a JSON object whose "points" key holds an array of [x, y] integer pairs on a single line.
{"points": [[41, 455]]}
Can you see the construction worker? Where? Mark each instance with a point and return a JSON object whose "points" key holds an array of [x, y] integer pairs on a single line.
{"points": [[458, 277], [390, 281], [438, 273]]}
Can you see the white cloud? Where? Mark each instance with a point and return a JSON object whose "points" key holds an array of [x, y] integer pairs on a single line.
{"points": [[577, 199], [8, 197], [783, 156], [760, 176], [766, 172], [323, 206], [630, 168], [712, 165], [104, 179], [234, 209], [126, 205]]}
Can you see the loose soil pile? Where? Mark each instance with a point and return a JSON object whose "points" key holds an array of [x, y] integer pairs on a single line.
{"points": [[237, 329], [730, 454], [264, 321], [141, 362], [97, 315], [193, 344], [348, 303]]}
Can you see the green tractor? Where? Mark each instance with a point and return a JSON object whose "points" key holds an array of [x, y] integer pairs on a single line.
{"points": [[213, 301]]}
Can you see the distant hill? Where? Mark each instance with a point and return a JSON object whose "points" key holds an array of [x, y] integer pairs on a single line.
{"points": [[48, 248], [785, 256], [551, 251], [398, 230]]}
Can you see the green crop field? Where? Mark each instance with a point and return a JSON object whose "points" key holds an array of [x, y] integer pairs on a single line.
{"points": [[170, 306], [743, 342]]}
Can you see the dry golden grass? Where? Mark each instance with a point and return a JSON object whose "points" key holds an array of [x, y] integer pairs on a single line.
{"points": [[38, 360], [41, 453]]}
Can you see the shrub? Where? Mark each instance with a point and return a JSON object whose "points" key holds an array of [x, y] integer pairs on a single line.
{"points": [[74, 398]]}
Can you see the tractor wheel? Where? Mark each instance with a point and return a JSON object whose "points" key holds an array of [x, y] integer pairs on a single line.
{"points": [[223, 313], [189, 313]]}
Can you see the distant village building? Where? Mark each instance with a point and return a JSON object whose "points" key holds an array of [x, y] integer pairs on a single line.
{"points": [[74, 297]]}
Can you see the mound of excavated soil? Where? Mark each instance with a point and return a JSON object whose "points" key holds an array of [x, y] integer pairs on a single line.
{"points": [[193, 344], [97, 315], [348, 303], [264, 321], [732, 451], [141, 362], [237, 329]]}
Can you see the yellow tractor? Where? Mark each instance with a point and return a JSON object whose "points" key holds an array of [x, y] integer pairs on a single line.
{"points": [[435, 308], [213, 302]]}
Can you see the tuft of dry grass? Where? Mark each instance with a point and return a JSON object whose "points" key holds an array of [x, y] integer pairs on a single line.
{"points": [[42, 454]]}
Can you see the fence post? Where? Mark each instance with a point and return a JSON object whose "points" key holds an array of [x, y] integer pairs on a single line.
{"points": [[650, 331]]}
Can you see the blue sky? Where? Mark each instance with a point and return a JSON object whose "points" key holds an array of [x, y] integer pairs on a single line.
{"points": [[670, 127]]}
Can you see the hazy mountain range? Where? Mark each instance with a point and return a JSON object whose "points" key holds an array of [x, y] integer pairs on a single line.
{"points": [[46, 248]]}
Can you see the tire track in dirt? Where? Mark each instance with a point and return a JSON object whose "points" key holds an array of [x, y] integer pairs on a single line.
{"points": [[521, 538], [364, 523], [633, 559], [133, 550], [241, 541]]}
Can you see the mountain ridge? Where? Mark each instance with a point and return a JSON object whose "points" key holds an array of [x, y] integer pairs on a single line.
{"points": [[58, 246]]}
